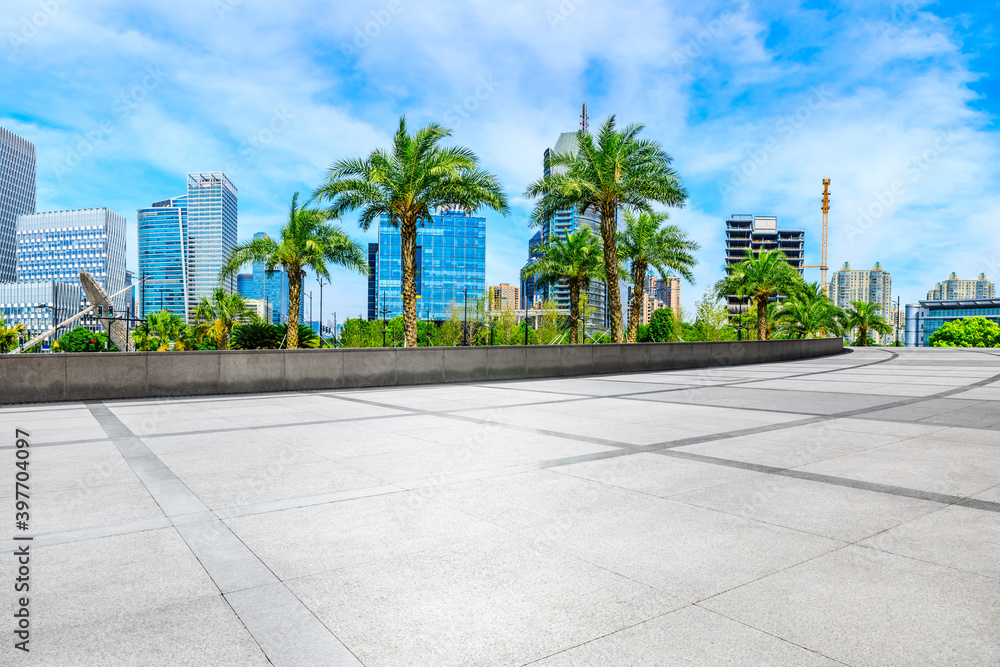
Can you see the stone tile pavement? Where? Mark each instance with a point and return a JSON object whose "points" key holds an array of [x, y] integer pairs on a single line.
{"points": [[843, 510]]}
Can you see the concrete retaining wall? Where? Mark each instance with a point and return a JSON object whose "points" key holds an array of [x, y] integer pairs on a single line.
{"points": [[27, 378]]}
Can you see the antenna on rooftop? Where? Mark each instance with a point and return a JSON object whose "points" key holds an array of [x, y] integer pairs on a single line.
{"points": [[584, 119]]}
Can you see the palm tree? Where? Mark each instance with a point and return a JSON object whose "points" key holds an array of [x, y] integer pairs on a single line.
{"points": [[308, 241], [863, 318], [649, 245], [760, 278], [9, 335], [216, 318], [159, 330], [809, 313], [406, 184], [575, 258], [617, 170]]}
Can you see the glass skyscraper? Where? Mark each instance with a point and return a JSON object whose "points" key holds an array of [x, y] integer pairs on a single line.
{"points": [[272, 289], [58, 245], [163, 257], [40, 305], [450, 264], [183, 242], [566, 222], [17, 196]]}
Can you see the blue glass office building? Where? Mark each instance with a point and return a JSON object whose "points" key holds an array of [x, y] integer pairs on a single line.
{"points": [[183, 243], [17, 196], [163, 257], [450, 262], [923, 319], [57, 245]]}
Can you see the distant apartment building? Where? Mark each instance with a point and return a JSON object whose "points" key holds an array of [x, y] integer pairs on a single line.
{"points": [[261, 308], [760, 233], [505, 297], [871, 286], [954, 289], [17, 196], [183, 242], [271, 289], [58, 245], [450, 266], [657, 293]]}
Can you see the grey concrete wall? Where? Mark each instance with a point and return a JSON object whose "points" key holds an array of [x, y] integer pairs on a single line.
{"points": [[32, 378]]}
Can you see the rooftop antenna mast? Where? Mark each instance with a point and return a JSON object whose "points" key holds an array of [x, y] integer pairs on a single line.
{"points": [[584, 119]]}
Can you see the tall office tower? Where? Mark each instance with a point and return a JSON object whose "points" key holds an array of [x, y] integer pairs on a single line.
{"points": [[953, 288], [183, 242], [528, 284], [58, 245], [163, 258], [270, 289], [757, 233], [874, 286], [505, 297], [17, 196], [450, 263], [211, 230], [373, 302], [568, 221]]}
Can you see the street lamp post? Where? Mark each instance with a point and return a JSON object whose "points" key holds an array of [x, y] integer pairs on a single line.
{"points": [[321, 312], [465, 329]]}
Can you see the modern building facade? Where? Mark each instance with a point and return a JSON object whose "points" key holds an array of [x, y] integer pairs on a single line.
{"points": [[923, 319], [871, 286], [667, 291], [565, 222], [505, 297], [39, 305], [450, 266], [183, 242], [163, 258], [954, 289], [17, 196], [271, 289], [528, 292], [58, 245], [760, 233], [261, 308]]}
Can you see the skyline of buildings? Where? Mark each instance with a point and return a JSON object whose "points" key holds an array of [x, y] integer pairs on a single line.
{"points": [[450, 266], [18, 195]]}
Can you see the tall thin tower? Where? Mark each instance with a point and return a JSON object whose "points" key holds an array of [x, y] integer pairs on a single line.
{"points": [[584, 119], [826, 213]]}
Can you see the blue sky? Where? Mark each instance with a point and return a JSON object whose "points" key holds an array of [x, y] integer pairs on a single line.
{"points": [[756, 101]]}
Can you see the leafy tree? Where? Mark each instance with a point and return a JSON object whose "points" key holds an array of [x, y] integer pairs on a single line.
{"points": [[760, 278], [809, 312], [551, 327], [863, 317], [661, 325], [216, 317], [256, 335], [407, 183], [9, 336], [305, 336], [159, 331], [647, 244], [79, 340], [307, 241], [617, 170], [967, 332], [712, 319], [575, 258]]}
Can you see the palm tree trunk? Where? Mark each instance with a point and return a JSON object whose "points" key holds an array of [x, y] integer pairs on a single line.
{"points": [[635, 313], [408, 248], [294, 295], [762, 318], [609, 230], [574, 311]]}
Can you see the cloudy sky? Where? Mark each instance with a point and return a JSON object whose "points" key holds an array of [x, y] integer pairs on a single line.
{"points": [[757, 102]]}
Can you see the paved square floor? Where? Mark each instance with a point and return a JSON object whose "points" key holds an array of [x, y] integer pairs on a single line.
{"points": [[835, 511]]}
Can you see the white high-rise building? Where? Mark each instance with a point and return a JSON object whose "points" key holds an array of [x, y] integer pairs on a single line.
{"points": [[871, 286], [17, 196]]}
